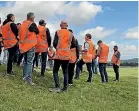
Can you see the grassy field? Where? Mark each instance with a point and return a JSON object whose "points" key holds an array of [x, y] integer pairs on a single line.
{"points": [[82, 96]]}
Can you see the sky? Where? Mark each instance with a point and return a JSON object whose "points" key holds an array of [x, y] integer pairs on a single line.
{"points": [[115, 23]]}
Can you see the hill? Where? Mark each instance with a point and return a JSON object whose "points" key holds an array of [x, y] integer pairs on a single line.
{"points": [[134, 60]]}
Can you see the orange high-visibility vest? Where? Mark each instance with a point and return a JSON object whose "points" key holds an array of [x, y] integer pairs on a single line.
{"points": [[103, 57], [87, 57], [73, 55], [42, 45], [64, 43], [51, 54], [9, 38], [27, 39], [114, 59]]}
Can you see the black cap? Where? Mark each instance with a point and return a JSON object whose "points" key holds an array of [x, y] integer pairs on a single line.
{"points": [[115, 46], [42, 22]]}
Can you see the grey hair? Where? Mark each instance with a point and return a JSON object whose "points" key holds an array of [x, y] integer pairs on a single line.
{"points": [[30, 15]]}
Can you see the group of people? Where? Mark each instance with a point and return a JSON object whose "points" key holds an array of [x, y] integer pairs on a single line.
{"points": [[28, 41]]}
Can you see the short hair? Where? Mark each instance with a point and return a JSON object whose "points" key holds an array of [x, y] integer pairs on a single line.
{"points": [[88, 36], [100, 41], [116, 46], [18, 24], [29, 15]]}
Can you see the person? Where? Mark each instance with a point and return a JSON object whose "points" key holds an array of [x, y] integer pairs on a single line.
{"points": [[94, 65], [74, 58], [36, 59], [17, 52], [87, 55], [20, 56], [116, 62], [1, 45], [51, 54], [27, 40], [103, 51], [10, 40], [44, 41], [62, 42]]}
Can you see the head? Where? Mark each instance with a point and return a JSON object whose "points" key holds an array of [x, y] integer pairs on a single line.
{"points": [[11, 17], [42, 22], [18, 25], [99, 42], [30, 16], [88, 37], [63, 24], [115, 48]]}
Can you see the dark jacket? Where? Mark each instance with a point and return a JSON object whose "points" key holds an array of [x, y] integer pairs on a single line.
{"points": [[33, 28], [77, 48], [48, 37]]}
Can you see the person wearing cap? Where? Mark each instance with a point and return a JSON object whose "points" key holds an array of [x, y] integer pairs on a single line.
{"points": [[43, 42], [74, 58], [27, 41], [116, 62], [102, 53], [62, 42], [87, 56], [10, 40]]}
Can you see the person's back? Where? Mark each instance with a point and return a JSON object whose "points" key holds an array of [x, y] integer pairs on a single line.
{"points": [[63, 46], [103, 53]]}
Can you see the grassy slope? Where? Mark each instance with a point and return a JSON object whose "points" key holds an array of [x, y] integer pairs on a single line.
{"points": [[17, 96]]}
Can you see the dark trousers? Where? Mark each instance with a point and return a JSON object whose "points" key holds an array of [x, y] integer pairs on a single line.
{"points": [[57, 64], [12, 52], [71, 72], [43, 61], [103, 72], [116, 70], [16, 56], [20, 58], [36, 59], [89, 69]]}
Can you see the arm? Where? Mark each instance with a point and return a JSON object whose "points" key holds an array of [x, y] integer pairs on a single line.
{"points": [[98, 51], [14, 30], [48, 37], [118, 56], [55, 41], [77, 49], [33, 28]]}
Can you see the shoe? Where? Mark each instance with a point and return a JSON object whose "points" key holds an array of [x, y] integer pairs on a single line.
{"points": [[77, 78], [116, 80], [70, 84], [54, 90], [88, 81], [11, 73], [63, 90]]}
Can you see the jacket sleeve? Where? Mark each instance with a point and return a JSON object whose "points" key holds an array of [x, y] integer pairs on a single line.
{"points": [[14, 29], [33, 28], [55, 41], [48, 37], [77, 49]]}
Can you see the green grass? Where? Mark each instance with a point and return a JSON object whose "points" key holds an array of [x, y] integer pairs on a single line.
{"points": [[17, 96]]}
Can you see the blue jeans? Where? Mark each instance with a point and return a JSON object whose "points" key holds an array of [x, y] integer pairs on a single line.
{"points": [[94, 66], [103, 72], [27, 65]]}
